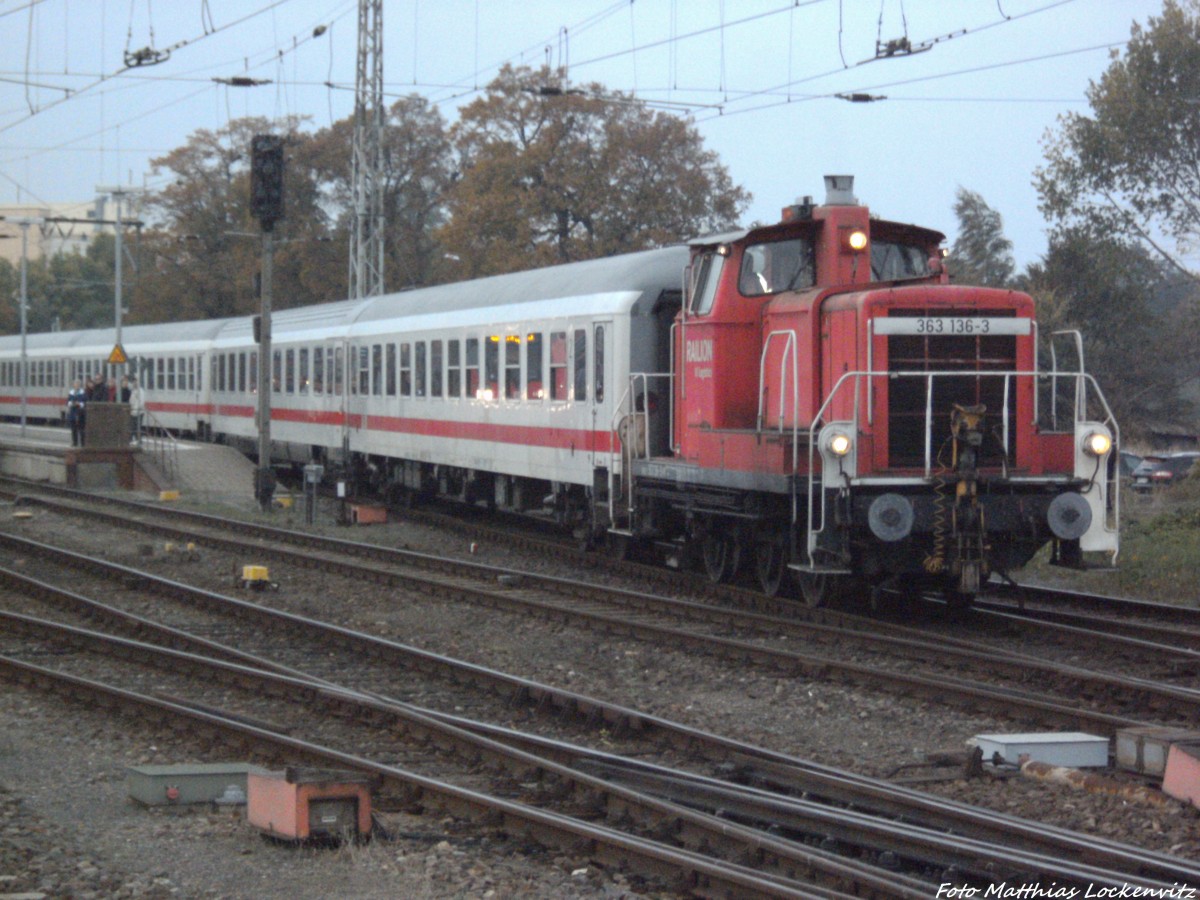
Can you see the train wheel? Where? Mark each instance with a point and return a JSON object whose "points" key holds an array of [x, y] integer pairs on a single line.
{"points": [[814, 588], [769, 565], [722, 556]]}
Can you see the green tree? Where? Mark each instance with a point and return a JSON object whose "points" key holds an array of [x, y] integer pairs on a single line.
{"points": [[76, 289], [981, 253], [552, 174], [1125, 303], [417, 170], [1132, 167]]}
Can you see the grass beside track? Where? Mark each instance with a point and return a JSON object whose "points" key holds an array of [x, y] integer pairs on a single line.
{"points": [[1160, 550]]}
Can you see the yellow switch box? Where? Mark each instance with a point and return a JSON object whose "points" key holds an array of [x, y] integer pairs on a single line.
{"points": [[255, 573]]}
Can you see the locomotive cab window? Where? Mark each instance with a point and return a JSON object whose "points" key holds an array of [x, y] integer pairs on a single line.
{"points": [[707, 272], [895, 261], [777, 266]]}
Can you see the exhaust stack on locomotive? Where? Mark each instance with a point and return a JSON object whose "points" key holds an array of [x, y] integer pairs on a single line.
{"points": [[845, 414]]}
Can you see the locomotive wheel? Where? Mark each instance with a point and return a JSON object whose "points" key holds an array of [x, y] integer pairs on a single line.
{"points": [[769, 564], [722, 556], [815, 589]]}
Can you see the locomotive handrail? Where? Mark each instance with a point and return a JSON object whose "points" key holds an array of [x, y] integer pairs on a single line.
{"points": [[1082, 379], [615, 441], [789, 348]]}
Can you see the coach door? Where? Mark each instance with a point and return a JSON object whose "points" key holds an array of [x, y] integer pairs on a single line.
{"points": [[354, 397], [602, 392]]}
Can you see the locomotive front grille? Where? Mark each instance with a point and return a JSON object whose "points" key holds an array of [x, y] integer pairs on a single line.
{"points": [[908, 405]]}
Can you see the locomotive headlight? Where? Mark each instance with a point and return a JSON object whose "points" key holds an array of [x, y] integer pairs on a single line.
{"points": [[838, 443], [1097, 443], [857, 240]]}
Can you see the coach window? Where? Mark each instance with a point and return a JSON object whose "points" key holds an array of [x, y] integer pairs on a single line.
{"points": [[472, 367], [435, 368], [419, 368], [318, 372], [406, 370], [558, 365], [339, 371], [252, 379], [276, 371], [160, 377], [704, 282], [598, 367], [389, 374], [580, 364], [453, 369], [533, 367], [191, 372], [232, 384], [302, 380], [491, 367], [220, 372], [512, 367], [289, 371], [377, 369], [364, 371]]}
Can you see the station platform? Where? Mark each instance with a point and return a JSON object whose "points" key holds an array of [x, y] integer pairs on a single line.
{"points": [[199, 471]]}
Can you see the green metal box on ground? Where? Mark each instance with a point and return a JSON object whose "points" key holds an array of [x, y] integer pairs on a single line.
{"points": [[178, 785]]}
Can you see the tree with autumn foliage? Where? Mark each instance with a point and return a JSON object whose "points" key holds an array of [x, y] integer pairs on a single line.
{"points": [[551, 173], [201, 255]]}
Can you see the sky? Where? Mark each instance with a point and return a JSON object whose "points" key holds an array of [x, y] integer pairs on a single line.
{"points": [[759, 79]]}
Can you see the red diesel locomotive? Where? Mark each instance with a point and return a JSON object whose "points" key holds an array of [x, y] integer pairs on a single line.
{"points": [[841, 412]]}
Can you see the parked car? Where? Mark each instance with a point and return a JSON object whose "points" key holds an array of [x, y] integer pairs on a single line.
{"points": [[1128, 463], [1163, 470]]}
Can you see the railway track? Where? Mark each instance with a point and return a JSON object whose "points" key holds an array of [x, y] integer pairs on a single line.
{"points": [[603, 774], [862, 653]]}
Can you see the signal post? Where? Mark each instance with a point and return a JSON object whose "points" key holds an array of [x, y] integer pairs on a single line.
{"points": [[266, 202]]}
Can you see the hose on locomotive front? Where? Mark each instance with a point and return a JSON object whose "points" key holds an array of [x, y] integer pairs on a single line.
{"points": [[935, 561]]}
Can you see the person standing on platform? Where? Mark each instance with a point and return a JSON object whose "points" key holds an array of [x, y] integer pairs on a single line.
{"points": [[99, 391], [125, 389], [137, 409], [76, 411]]}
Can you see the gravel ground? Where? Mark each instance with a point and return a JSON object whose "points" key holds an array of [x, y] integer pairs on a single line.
{"points": [[68, 829]]}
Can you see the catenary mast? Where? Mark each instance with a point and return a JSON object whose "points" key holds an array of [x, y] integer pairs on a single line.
{"points": [[366, 239]]}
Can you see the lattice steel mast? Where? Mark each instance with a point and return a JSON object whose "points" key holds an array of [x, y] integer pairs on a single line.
{"points": [[366, 240]]}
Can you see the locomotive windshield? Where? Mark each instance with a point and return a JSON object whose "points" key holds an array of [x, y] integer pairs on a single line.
{"points": [[776, 266], [894, 261]]}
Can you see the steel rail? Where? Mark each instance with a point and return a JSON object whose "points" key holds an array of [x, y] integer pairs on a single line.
{"points": [[891, 680], [787, 772], [691, 871], [684, 825]]}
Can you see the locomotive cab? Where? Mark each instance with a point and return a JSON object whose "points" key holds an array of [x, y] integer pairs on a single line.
{"points": [[842, 414]]}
